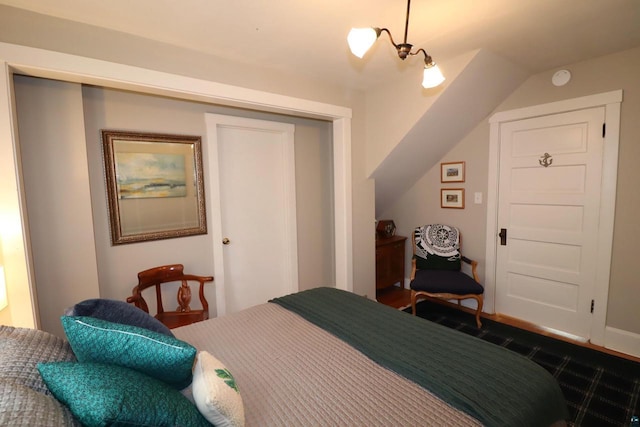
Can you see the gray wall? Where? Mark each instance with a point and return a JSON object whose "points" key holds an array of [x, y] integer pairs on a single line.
{"points": [[94, 109], [56, 182]]}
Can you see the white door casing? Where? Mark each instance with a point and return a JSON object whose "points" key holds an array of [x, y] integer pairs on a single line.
{"points": [[605, 209], [253, 205], [548, 204]]}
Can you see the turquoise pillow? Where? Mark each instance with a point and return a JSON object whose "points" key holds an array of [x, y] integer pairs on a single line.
{"points": [[101, 395], [165, 358]]}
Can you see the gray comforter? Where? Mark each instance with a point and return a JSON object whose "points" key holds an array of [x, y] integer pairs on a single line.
{"points": [[293, 373]]}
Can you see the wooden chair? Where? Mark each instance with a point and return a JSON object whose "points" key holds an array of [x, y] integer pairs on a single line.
{"points": [[157, 276], [436, 268]]}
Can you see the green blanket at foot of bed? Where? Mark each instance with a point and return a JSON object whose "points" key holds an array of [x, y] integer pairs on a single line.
{"points": [[492, 384]]}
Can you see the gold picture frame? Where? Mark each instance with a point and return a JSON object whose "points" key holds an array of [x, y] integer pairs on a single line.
{"points": [[452, 198], [452, 172], [155, 186]]}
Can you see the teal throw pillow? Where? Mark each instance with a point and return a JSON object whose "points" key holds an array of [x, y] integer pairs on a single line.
{"points": [[160, 356], [104, 395]]}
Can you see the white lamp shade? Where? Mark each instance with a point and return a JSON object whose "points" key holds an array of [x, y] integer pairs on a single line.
{"points": [[360, 40], [432, 76]]}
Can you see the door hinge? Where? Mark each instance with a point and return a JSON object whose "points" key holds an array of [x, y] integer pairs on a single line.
{"points": [[592, 304], [604, 129]]}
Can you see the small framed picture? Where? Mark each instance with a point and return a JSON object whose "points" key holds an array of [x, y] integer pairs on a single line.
{"points": [[452, 198], [452, 172]]}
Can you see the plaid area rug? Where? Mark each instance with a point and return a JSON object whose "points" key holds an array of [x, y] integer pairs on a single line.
{"points": [[600, 390]]}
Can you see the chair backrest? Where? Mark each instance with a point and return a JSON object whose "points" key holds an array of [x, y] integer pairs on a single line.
{"points": [[156, 277], [436, 247]]}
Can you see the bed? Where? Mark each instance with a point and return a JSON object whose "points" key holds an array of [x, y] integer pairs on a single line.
{"points": [[332, 358]]}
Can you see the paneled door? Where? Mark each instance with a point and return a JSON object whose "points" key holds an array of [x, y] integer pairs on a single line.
{"points": [[548, 212], [253, 210]]}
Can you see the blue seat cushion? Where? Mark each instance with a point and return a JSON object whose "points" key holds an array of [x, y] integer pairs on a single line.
{"points": [[445, 281]]}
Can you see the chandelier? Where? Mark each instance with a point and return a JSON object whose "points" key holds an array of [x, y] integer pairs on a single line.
{"points": [[361, 39]]}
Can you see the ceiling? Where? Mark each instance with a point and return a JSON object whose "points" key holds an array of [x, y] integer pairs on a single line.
{"points": [[309, 36]]}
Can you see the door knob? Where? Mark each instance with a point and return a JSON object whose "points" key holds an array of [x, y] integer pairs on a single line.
{"points": [[226, 241]]}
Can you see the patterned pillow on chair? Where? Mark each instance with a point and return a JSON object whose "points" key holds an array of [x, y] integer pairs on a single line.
{"points": [[437, 247]]}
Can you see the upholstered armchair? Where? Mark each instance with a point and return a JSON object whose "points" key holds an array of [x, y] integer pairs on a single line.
{"points": [[437, 268]]}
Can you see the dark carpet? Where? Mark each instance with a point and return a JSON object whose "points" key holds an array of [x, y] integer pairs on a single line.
{"points": [[600, 389]]}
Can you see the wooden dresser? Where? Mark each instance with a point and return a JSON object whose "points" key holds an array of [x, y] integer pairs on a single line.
{"points": [[390, 261]]}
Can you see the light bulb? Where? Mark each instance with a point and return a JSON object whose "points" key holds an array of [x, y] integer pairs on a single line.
{"points": [[432, 76], [361, 39]]}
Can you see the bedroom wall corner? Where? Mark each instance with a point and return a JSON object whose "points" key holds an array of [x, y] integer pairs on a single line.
{"points": [[118, 265], [24, 28], [421, 203], [597, 75], [364, 269]]}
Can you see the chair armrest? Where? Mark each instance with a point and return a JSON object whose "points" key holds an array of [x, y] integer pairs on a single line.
{"points": [[413, 269], [474, 267], [137, 300]]}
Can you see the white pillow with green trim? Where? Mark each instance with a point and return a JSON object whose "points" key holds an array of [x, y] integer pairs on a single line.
{"points": [[216, 393]]}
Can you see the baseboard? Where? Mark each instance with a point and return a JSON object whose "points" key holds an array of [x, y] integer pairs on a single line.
{"points": [[623, 341]]}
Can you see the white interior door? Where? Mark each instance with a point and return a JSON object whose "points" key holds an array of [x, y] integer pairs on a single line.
{"points": [[549, 202], [252, 188]]}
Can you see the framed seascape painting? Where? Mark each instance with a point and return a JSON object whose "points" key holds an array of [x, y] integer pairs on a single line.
{"points": [[452, 172], [155, 186]]}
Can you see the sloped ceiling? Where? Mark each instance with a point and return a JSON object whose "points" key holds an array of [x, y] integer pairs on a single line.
{"points": [[309, 37], [478, 88], [502, 42]]}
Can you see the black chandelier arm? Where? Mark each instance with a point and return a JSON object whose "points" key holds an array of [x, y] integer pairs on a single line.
{"points": [[360, 41], [384, 30], [427, 58]]}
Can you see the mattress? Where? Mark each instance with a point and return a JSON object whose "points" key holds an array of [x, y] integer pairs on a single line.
{"points": [[291, 371]]}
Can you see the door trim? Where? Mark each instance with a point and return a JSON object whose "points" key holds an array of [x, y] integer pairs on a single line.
{"points": [[78, 69], [611, 102], [213, 123]]}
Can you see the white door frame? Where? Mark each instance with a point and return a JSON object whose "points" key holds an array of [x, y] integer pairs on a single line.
{"points": [[72, 68], [611, 101], [214, 122]]}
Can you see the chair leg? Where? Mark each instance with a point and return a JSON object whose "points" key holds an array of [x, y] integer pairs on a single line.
{"points": [[413, 302], [480, 300]]}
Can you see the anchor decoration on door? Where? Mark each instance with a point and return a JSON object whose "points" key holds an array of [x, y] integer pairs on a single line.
{"points": [[546, 160]]}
